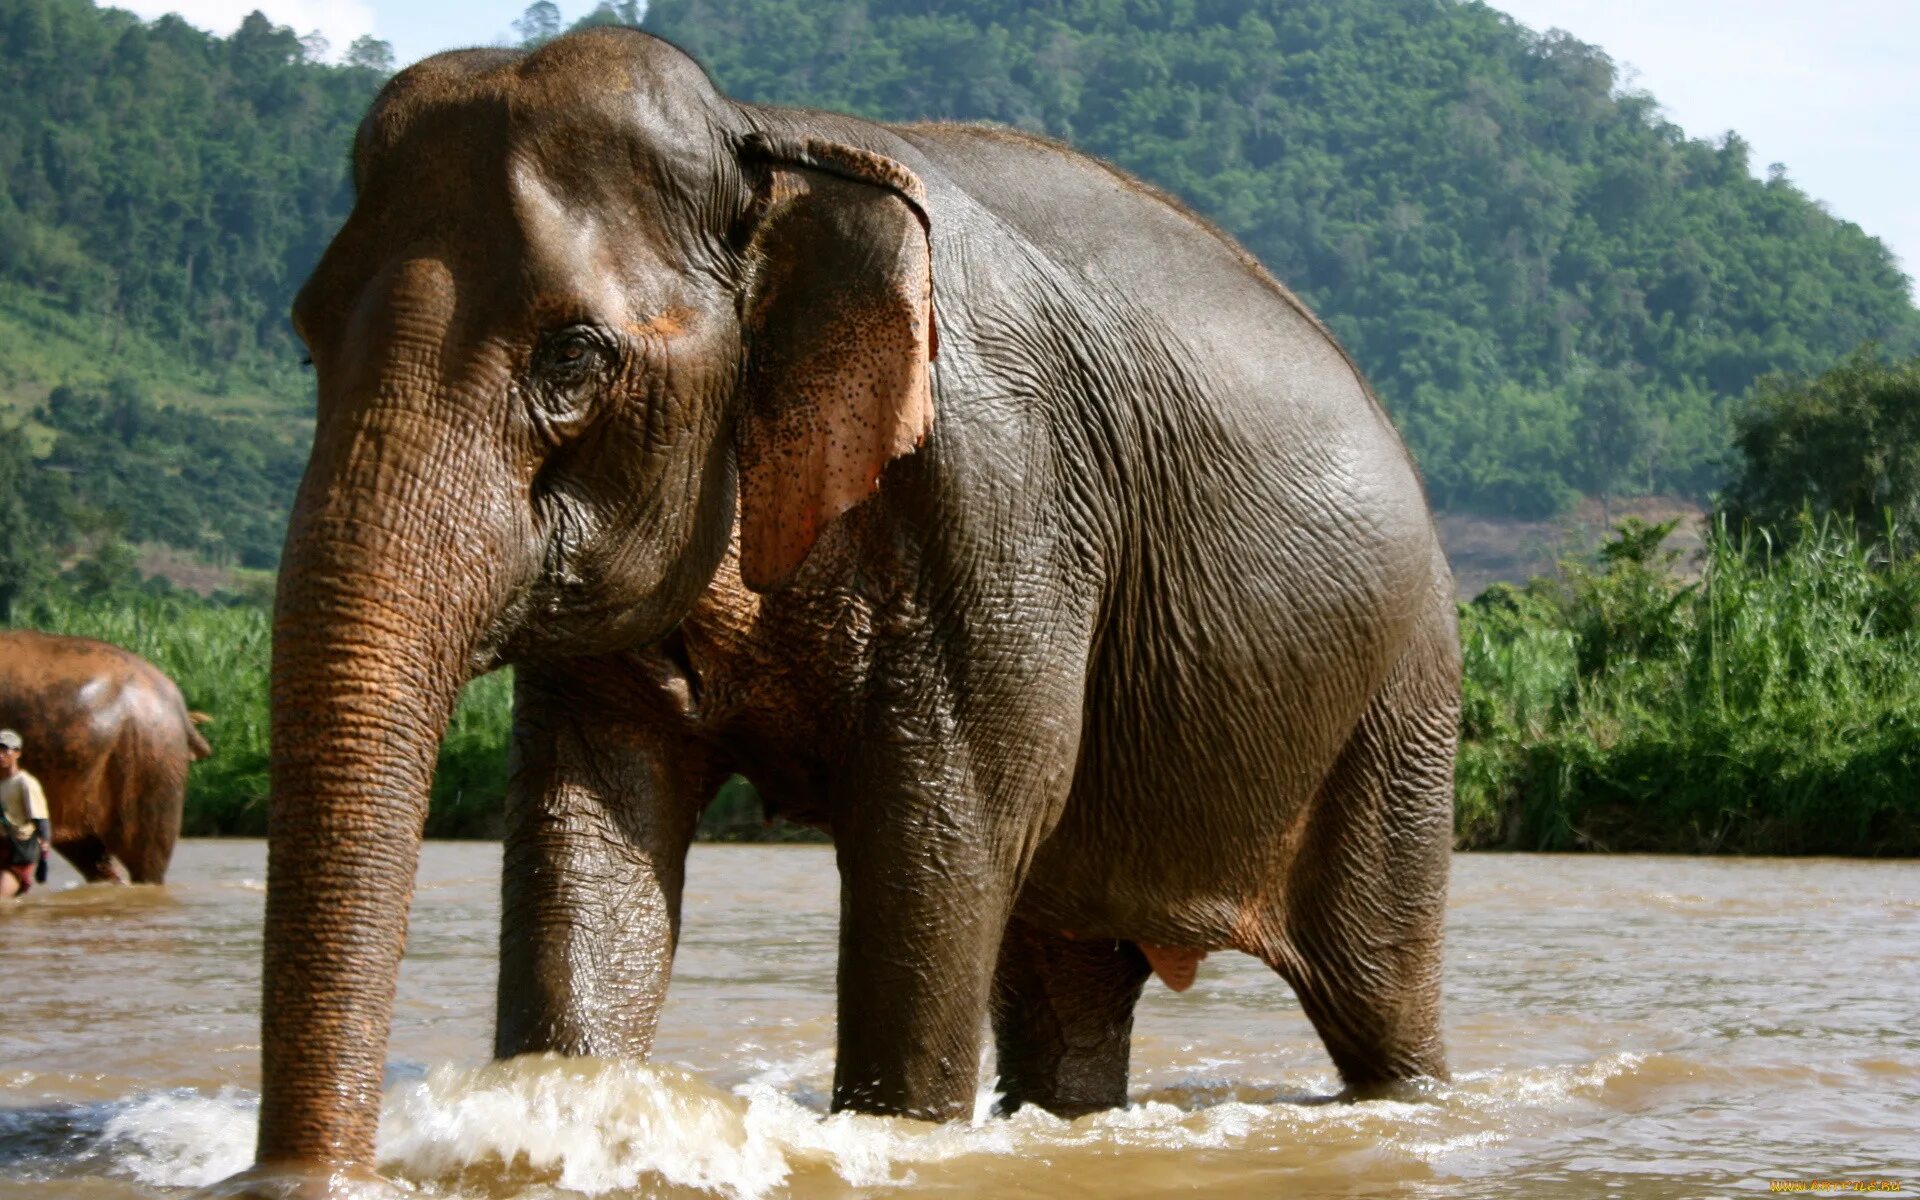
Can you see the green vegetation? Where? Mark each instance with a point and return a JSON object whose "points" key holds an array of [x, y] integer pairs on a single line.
{"points": [[1771, 707], [220, 487], [44, 344], [157, 179], [1553, 288], [1845, 446]]}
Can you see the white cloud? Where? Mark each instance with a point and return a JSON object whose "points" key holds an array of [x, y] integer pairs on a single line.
{"points": [[339, 21]]}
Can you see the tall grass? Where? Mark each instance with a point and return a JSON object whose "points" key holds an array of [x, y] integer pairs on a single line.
{"points": [[1771, 706], [220, 658]]}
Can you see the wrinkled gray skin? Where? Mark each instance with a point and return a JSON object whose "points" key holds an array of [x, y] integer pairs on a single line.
{"points": [[1144, 640]]}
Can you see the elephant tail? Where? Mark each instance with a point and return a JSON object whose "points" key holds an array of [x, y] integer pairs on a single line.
{"points": [[197, 748]]}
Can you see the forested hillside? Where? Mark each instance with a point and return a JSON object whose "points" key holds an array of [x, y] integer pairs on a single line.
{"points": [[1554, 290], [155, 176]]}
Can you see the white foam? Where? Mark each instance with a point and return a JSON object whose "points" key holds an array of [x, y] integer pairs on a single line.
{"points": [[596, 1127], [182, 1139]]}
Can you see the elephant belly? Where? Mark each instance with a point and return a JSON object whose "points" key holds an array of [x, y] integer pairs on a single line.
{"points": [[1179, 855], [1202, 755]]}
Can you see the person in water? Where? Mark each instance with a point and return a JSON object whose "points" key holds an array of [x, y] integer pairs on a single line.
{"points": [[23, 808]]}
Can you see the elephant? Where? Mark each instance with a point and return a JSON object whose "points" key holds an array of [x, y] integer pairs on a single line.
{"points": [[979, 503], [109, 738]]}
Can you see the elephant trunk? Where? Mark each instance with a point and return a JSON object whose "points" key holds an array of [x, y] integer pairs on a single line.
{"points": [[354, 747], [384, 597]]}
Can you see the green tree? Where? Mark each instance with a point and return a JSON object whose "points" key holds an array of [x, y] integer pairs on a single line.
{"points": [[1843, 445], [112, 568], [220, 487], [369, 53], [539, 25], [1615, 431], [156, 179], [613, 12], [23, 542]]}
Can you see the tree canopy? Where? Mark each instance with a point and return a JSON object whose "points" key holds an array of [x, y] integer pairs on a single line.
{"points": [[167, 179], [1843, 446], [1554, 289]]}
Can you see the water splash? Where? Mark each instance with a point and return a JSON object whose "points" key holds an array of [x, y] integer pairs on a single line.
{"points": [[599, 1128], [588, 1125], [182, 1138]]}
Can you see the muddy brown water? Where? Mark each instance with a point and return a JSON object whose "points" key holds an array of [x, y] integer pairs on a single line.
{"points": [[1628, 1026]]}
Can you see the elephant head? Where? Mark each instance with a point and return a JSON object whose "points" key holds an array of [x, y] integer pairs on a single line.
{"points": [[581, 299]]}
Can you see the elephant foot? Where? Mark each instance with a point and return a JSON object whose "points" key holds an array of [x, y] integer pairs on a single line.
{"points": [[90, 857], [1419, 1089]]}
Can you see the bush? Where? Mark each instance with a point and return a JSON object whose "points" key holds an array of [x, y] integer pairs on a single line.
{"points": [[1771, 707], [1843, 446]]}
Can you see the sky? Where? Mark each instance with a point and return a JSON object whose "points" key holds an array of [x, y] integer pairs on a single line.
{"points": [[1828, 87]]}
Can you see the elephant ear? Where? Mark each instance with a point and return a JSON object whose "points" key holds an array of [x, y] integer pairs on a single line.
{"points": [[840, 335]]}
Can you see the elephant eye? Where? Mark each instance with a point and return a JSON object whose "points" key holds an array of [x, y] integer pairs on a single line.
{"points": [[571, 357], [571, 366]]}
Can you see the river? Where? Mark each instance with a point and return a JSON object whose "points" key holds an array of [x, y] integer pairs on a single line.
{"points": [[1627, 1026]]}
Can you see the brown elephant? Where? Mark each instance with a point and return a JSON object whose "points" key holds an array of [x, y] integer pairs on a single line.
{"points": [[1083, 591], [109, 738]]}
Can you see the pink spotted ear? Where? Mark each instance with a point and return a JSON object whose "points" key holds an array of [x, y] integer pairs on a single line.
{"points": [[839, 328]]}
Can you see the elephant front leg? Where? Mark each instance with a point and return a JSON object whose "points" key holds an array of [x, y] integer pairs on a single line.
{"points": [[601, 805], [934, 828], [1063, 1019], [922, 911]]}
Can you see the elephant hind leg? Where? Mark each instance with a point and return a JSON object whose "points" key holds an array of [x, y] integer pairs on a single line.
{"points": [[1063, 1019], [90, 856], [150, 786], [1365, 910], [147, 861]]}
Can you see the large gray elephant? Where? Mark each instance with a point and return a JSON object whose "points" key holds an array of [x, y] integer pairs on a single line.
{"points": [[1082, 590]]}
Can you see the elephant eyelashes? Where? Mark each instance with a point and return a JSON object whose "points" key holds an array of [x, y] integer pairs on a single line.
{"points": [[569, 367], [572, 357]]}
